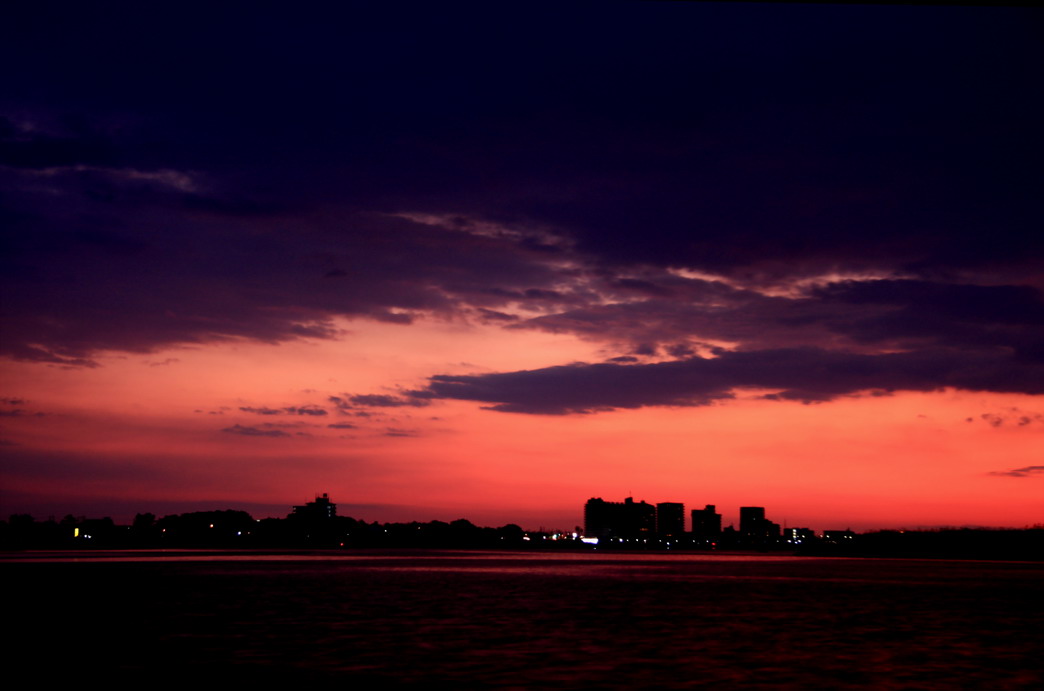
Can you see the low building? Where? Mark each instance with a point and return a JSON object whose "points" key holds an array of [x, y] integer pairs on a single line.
{"points": [[321, 508]]}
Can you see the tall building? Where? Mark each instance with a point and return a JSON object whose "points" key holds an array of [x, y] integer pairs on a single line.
{"points": [[599, 517], [752, 520], [670, 519], [706, 523], [626, 519]]}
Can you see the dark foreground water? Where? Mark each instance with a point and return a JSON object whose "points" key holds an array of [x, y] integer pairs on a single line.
{"points": [[505, 620]]}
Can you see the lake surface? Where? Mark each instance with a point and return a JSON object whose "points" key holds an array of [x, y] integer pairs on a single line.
{"points": [[525, 620]]}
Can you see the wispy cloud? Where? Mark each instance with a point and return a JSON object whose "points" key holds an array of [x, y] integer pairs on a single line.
{"points": [[1026, 471], [254, 431], [398, 432], [1011, 417], [311, 410], [408, 399], [807, 375]]}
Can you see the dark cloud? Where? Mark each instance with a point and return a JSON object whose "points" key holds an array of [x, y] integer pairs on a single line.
{"points": [[921, 312], [1012, 417], [349, 402], [313, 410], [200, 284], [284, 425], [699, 311], [804, 374], [254, 431], [494, 316], [384, 401], [33, 149], [1027, 471], [378, 400], [262, 410], [685, 177], [17, 412], [860, 315]]}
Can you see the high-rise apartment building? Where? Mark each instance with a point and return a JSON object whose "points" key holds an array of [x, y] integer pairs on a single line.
{"points": [[752, 521], [670, 519]]}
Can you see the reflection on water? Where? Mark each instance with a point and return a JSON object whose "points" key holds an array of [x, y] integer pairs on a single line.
{"points": [[388, 556], [527, 620]]}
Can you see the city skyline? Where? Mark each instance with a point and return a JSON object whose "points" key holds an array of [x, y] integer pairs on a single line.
{"points": [[625, 526], [494, 260], [626, 523]]}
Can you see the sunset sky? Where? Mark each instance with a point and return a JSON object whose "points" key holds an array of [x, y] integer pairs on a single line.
{"points": [[488, 260]]}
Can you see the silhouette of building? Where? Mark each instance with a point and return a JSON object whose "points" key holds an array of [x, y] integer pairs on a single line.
{"points": [[706, 523], [321, 508], [799, 536], [838, 537], [627, 519], [670, 519], [755, 528], [752, 520]]}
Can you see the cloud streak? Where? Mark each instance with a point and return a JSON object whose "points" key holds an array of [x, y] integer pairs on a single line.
{"points": [[248, 431], [695, 240], [1027, 471], [801, 374], [310, 410]]}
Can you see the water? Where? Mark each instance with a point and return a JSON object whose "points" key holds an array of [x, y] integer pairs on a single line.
{"points": [[525, 620]]}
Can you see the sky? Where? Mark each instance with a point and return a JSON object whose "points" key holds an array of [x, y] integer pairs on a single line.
{"points": [[489, 260]]}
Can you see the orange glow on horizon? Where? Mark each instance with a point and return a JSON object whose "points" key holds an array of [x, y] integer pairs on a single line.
{"points": [[152, 433]]}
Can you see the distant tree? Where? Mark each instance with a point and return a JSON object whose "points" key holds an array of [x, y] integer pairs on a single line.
{"points": [[21, 520], [510, 535], [207, 528], [143, 521], [21, 529]]}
